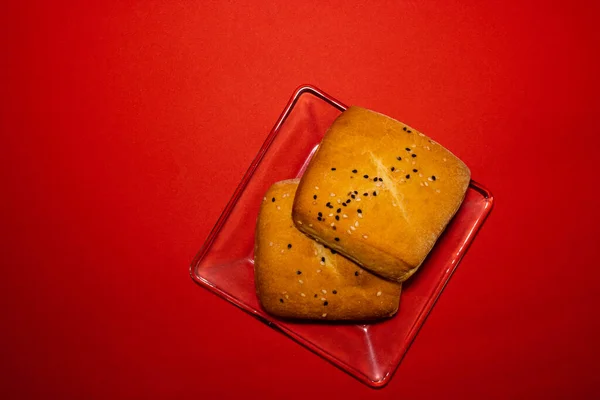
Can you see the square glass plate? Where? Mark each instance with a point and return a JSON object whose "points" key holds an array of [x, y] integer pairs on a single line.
{"points": [[224, 265]]}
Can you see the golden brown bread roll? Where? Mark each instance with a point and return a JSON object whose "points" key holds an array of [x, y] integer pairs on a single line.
{"points": [[386, 192], [296, 277]]}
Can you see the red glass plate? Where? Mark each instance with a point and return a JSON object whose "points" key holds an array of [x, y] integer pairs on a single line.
{"points": [[224, 264]]}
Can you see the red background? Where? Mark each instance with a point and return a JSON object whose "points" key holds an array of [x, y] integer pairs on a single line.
{"points": [[126, 127]]}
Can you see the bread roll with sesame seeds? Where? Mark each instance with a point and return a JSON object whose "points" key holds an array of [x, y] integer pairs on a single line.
{"points": [[398, 189], [296, 277]]}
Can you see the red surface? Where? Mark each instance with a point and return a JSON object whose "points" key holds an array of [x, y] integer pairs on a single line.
{"points": [[125, 129]]}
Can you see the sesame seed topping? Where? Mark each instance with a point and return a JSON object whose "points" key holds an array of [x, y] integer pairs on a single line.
{"points": [[324, 315], [332, 194], [353, 196], [318, 271], [354, 171], [333, 223], [300, 280], [414, 145], [356, 192], [437, 190], [287, 297], [365, 194], [359, 211], [299, 222], [399, 158], [433, 177], [407, 149], [333, 169], [322, 263], [334, 228], [278, 207], [413, 155], [415, 170], [282, 251], [429, 179], [339, 210], [349, 232], [378, 184], [289, 245], [358, 199], [426, 184], [331, 215], [320, 214], [375, 179], [334, 292], [325, 303], [323, 299], [270, 243], [316, 252], [344, 215], [407, 176], [378, 294], [380, 179], [273, 200], [353, 228], [316, 188], [310, 225], [375, 193], [281, 300], [421, 183], [333, 251], [337, 239], [343, 204], [298, 272], [393, 169], [339, 201], [360, 215], [302, 294], [315, 196], [366, 176], [337, 218], [445, 159], [355, 273], [365, 237], [323, 291], [348, 201], [323, 259], [404, 129], [355, 223]]}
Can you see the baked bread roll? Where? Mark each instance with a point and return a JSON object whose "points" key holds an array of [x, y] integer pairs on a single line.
{"points": [[296, 277], [379, 192]]}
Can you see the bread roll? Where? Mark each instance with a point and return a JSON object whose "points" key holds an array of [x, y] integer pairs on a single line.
{"points": [[386, 192], [296, 277]]}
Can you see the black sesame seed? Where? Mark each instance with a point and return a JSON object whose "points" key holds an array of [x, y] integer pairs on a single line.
{"points": [[409, 131], [399, 158], [348, 201], [333, 252], [433, 177], [356, 192], [337, 239], [333, 169], [359, 211], [408, 176], [328, 204], [404, 129], [339, 210], [344, 204], [356, 273], [337, 217], [273, 200], [320, 214], [380, 179], [334, 292], [354, 171], [353, 196], [413, 155], [374, 193], [315, 197], [315, 295], [281, 300], [289, 245], [320, 219], [408, 149], [393, 169], [299, 272], [323, 259], [365, 194], [366, 176], [334, 228], [375, 179], [325, 303], [415, 170]]}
